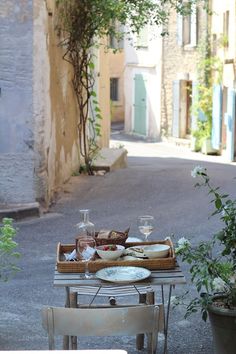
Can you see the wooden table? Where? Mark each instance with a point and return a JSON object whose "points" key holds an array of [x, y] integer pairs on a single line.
{"points": [[159, 278]]}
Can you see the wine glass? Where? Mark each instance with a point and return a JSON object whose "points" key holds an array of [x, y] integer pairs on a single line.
{"points": [[146, 225], [86, 251]]}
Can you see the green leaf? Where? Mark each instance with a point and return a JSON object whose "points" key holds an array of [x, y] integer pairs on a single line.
{"points": [[93, 93], [91, 65], [204, 315], [218, 203]]}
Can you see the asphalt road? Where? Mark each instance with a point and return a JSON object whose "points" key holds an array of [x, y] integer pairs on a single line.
{"points": [[157, 181]]}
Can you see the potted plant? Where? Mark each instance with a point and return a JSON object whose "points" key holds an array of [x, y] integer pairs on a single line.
{"points": [[212, 268], [8, 255]]}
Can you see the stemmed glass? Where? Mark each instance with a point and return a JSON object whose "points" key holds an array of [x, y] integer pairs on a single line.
{"points": [[146, 225], [86, 250]]}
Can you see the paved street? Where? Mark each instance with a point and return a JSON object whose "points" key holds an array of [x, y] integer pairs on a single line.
{"points": [[158, 182]]}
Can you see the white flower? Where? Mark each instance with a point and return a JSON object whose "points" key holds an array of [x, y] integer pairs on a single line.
{"points": [[218, 284], [183, 242], [197, 170]]}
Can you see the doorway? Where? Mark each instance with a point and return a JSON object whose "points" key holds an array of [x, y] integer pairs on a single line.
{"points": [[140, 105]]}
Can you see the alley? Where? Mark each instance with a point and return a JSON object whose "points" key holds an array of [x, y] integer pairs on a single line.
{"points": [[157, 181]]}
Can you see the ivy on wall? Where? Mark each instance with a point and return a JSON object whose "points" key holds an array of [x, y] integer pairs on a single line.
{"points": [[209, 72]]}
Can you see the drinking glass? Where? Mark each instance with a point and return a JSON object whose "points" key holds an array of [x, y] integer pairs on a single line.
{"points": [[146, 225], [86, 250]]}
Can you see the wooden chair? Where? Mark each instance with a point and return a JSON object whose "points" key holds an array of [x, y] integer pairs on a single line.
{"points": [[105, 321]]}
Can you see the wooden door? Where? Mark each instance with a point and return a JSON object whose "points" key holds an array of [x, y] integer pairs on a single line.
{"points": [[140, 105]]}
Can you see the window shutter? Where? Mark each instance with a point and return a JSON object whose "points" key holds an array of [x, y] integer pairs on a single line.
{"points": [[176, 109], [194, 115], [193, 26], [216, 117], [179, 29], [230, 129]]}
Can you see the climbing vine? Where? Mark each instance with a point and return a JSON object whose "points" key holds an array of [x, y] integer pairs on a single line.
{"points": [[209, 72], [82, 25]]}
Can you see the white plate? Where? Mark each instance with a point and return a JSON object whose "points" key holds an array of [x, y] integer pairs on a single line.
{"points": [[123, 274]]}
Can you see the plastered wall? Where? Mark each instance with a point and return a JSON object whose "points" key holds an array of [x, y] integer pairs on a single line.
{"points": [[16, 102], [38, 116]]}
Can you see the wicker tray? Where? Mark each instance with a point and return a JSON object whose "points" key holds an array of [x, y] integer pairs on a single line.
{"points": [[94, 265]]}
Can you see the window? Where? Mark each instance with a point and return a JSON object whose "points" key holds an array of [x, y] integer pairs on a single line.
{"points": [[114, 89], [187, 28], [142, 38]]}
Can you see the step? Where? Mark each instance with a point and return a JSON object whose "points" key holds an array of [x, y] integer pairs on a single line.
{"points": [[110, 159], [19, 211]]}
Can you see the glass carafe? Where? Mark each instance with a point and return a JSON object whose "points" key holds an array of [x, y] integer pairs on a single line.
{"points": [[84, 228]]}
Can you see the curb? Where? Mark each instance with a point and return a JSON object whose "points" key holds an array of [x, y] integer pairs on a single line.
{"points": [[19, 211]]}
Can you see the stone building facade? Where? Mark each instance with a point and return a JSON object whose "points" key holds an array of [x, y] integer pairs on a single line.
{"points": [[39, 146], [180, 55]]}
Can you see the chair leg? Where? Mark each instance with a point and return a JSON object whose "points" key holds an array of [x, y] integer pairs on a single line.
{"points": [[151, 344], [140, 337], [73, 303], [66, 339]]}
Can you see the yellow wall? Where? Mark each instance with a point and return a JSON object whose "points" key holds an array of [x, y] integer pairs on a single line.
{"points": [[116, 70], [55, 113], [104, 96]]}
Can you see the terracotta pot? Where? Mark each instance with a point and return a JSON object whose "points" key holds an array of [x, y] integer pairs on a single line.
{"points": [[223, 324]]}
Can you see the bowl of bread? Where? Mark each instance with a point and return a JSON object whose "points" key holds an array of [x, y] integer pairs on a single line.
{"points": [[111, 237]]}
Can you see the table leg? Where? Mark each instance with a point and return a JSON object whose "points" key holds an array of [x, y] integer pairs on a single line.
{"points": [[73, 304], [166, 316], [140, 337], [66, 341]]}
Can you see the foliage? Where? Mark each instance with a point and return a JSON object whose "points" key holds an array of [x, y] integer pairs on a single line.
{"points": [[209, 72], [213, 263], [7, 250], [84, 25]]}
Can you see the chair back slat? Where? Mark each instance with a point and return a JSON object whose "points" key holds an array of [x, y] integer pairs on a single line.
{"points": [[127, 321]]}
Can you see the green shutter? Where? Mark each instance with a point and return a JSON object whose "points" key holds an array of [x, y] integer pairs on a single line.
{"points": [[230, 125], [216, 117], [140, 105]]}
